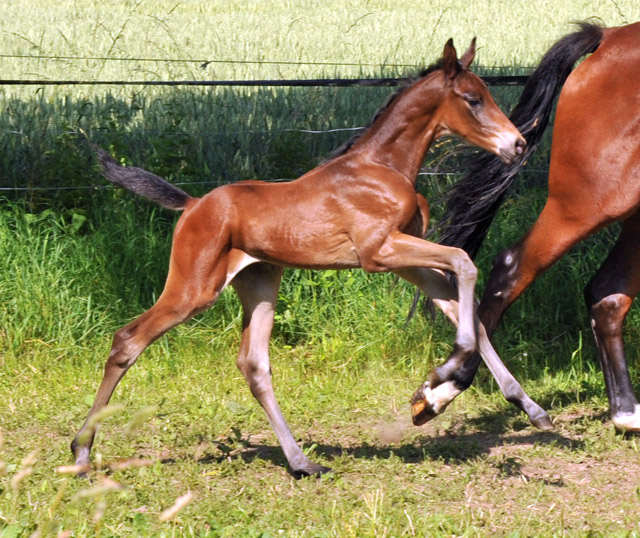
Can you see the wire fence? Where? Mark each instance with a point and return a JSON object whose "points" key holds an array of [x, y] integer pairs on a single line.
{"points": [[203, 62], [206, 62], [500, 80], [491, 80], [187, 183]]}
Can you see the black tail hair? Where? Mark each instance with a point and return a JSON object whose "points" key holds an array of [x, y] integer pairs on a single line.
{"points": [[473, 201], [142, 182]]}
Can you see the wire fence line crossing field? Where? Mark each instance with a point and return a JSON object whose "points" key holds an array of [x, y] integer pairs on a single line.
{"points": [[508, 80], [61, 130]]}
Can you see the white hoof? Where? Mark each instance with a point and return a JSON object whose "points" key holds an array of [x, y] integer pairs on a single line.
{"points": [[627, 422]]}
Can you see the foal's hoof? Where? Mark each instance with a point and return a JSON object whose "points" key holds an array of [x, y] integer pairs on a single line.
{"points": [[421, 409], [429, 402], [311, 469], [83, 471], [421, 413], [82, 465], [542, 422]]}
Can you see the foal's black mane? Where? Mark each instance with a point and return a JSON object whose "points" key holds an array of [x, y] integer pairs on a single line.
{"points": [[346, 146]]}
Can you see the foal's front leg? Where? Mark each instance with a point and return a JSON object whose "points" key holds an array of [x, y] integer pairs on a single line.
{"points": [[257, 286], [401, 251], [431, 402]]}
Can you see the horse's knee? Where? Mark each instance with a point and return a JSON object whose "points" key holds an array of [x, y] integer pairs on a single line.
{"points": [[503, 272], [607, 314], [464, 267], [500, 291]]}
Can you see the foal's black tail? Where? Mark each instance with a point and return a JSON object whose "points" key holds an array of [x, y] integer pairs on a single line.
{"points": [[473, 201], [142, 182]]}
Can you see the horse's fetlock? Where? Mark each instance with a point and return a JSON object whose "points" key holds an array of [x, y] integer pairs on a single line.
{"points": [[513, 393]]}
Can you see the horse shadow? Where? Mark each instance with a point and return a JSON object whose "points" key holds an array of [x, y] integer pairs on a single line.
{"points": [[489, 432]]}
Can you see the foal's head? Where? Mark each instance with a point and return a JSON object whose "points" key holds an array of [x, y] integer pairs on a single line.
{"points": [[469, 111]]}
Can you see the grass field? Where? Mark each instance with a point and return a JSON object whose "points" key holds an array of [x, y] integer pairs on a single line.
{"points": [[367, 34], [77, 264]]}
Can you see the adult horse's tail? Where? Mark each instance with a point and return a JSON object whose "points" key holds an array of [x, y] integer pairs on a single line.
{"points": [[473, 201], [141, 182]]}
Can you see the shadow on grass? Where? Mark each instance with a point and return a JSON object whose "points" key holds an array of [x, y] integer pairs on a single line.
{"points": [[456, 438], [448, 448]]}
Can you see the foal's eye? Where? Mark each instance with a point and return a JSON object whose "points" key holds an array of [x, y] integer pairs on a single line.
{"points": [[473, 101]]}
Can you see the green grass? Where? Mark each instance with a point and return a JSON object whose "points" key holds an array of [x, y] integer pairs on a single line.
{"points": [[77, 264], [345, 366], [477, 471], [377, 32]]}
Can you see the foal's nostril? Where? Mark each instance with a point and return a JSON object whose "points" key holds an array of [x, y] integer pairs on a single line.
{"points": [[520, 146]]}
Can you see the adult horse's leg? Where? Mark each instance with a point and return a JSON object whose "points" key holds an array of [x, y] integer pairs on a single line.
{"points": [[609, 295], [515, 268], [444, 379], [257, 286], [567, 218]]}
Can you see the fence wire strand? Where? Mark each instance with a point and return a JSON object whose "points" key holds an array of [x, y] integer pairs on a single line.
{"points": [[499, 80], [217, 183]]}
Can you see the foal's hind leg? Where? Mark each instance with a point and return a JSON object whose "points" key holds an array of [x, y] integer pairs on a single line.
{"points": [[609, 295], [196, 277], [257, 286], [128, 343], [444, 384]]}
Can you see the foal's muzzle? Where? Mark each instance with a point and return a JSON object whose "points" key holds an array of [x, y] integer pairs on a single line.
{"points": [[511, 153]]}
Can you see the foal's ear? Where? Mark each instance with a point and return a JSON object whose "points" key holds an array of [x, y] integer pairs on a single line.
{"points": [[450, 64], [467, 57]]}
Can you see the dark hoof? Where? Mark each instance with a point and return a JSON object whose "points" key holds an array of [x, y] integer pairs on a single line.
{"points": [[542, 423], [312, 469], [81, 471], [422, 412], [82, 462]]}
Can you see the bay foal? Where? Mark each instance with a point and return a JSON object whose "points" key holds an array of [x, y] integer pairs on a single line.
{"points": [[358, 209]]}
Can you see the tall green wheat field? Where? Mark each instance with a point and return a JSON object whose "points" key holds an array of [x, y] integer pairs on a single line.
{"points": [[185, 450]]}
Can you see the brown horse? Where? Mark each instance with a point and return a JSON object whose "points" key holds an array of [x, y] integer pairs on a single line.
{"points": [[358, 209], [594, 180]]}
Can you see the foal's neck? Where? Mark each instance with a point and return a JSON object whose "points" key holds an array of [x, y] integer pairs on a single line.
{"points": [[403, 133]]}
